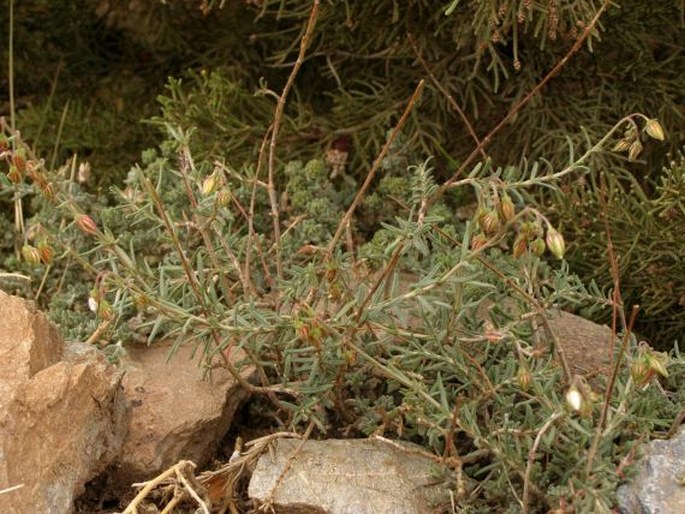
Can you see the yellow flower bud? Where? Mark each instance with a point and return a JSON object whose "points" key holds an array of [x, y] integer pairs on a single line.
{"points": [[30, 254], [223, 197], [555, 243], [489, 222], [622, 146], [208, 185], [656, 362], [507, 209], [524, 377], [640, 372], [655, 130], [635, 150]]}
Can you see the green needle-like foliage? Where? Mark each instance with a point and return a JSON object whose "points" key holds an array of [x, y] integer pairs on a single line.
{"points": [[310, 204]]}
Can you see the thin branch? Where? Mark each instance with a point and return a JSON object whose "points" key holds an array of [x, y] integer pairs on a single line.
{"points": [[450, 99], [531, 459], [347, 218], [278, 118], [516, 108], [617, 309]]}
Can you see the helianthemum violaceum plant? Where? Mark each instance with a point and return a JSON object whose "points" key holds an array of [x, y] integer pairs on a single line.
{"points": [[419, 346], [427, 329]]}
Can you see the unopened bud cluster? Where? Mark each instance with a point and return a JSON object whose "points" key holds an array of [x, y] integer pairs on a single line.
{"points": [[631, 143], [647, 365], [495, 214], [42, 253]]}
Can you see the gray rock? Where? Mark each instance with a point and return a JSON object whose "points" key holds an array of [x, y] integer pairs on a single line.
{"points": [[346, 477], [658, 486]]}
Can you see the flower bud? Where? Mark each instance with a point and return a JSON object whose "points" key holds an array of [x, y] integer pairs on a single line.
{"points": [[622, 146], [640, 372], [86, 224], [140, 301], [555, 243], [635, 150], [30, 254], [656, 362], [14, 175], [489, 222], [655, 130], [491, 334], [507, 209], [574, 398], [478, 241], [46, 252], [208, 185], [48, 191], [104, 310], [94, 300], [223, 197], [538, 246], [524, 377], [19, 159], [520, 245]]}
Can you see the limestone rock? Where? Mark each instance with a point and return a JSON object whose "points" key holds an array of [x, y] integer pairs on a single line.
{"points": [[360, 476], [62, 413], [176, 414], [657, 487]]}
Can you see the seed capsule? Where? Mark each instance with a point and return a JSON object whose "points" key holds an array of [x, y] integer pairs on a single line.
{"points": [[538, 247], [478, 241], [19, 159]]}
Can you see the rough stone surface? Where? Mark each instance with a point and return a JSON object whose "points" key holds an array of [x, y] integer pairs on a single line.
{"points": [[29, 343], [586, 344], [176, 414], [657, 487], [62, 413], [346, 477]]}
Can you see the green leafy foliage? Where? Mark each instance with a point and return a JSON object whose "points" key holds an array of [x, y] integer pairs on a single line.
{"points": [[404, 301]]}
